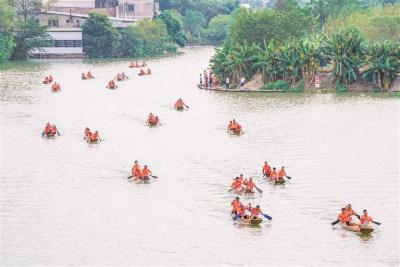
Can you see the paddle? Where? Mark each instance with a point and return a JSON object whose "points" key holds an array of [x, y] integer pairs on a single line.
{"points": [[58, 133], [186, 106], [335, 222], [259, 190], [231, 189], [289, 177], [237, 216], [153, 176], [129, 177], [42, 134], [377, 223], [266, 216]]}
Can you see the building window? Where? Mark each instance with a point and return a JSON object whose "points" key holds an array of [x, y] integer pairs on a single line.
{"points": [[53, 23], [131, 8], [67, 43], [77, 43]]}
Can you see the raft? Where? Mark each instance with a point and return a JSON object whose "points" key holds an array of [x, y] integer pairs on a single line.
{"points": [[357, 228], [238, 90], [50, 135], [231, 132], [255, 221], [279, 182], [92, 142], [154, 124]]}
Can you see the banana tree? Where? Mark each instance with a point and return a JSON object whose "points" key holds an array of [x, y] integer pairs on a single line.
{"points": [[383, 63]]}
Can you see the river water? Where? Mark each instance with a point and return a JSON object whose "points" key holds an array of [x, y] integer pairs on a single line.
{"points": [[64, 202]]}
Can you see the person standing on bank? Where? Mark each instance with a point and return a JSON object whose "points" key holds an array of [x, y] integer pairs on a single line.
{"points": [[227, 82]]}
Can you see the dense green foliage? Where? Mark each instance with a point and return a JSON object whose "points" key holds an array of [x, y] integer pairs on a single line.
{"points": [[198, 16], [100, 38], [383, 61], [194, 25], [28, 35], [146, 38], [218, 29], [7, 42], [351, 58], [19, 35], [264, 25], [282, 44], [174, 23], [375, 23]]}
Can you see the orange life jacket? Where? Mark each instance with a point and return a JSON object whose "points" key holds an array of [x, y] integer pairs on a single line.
{"points": [[236, 184], [365, 219], [281, 173], [267, 169], [236, 205], [255, 211], [145, 172], [343, 217]]}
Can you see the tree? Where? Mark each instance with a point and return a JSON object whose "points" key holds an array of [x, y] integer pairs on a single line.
{"points": [[174, 24], [376, 23], [29, 35], [131, 43], [26, 7], [7, 42], [383, 61], [194, 22], [346, 51], [154, 35], [265, 25], [100, 38], [218, 29]]}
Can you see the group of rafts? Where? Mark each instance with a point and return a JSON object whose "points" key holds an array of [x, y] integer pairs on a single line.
{"points": [[55, 87], [246, 214]]}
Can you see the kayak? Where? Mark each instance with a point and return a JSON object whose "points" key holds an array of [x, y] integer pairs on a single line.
{"points": [[179, 109], [357, 228], [218, 89], [143, 74]]}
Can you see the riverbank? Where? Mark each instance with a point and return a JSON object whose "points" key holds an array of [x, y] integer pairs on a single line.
{"points": [[327, 85]]}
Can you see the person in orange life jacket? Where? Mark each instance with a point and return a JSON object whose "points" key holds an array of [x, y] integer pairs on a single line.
{"points": [[266, 169], [236, 205]]}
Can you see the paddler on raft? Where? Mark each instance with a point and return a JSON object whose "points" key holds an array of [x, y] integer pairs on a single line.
{"points": [[55, 87], [87, 76], [111, 85], [179, 104], [50, 130], [91, 137], [152, 120], [234, 127], [48, 79], [266, 170]]}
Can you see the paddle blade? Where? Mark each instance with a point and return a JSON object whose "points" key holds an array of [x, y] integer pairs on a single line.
{"points": [[289, 177], [335, 222], [154, 176], [377, 223], [129, 177], [259, 190], [267, 216]]}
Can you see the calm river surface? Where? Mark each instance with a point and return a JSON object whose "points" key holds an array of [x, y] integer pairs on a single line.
{"points": [[64, 202]]}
